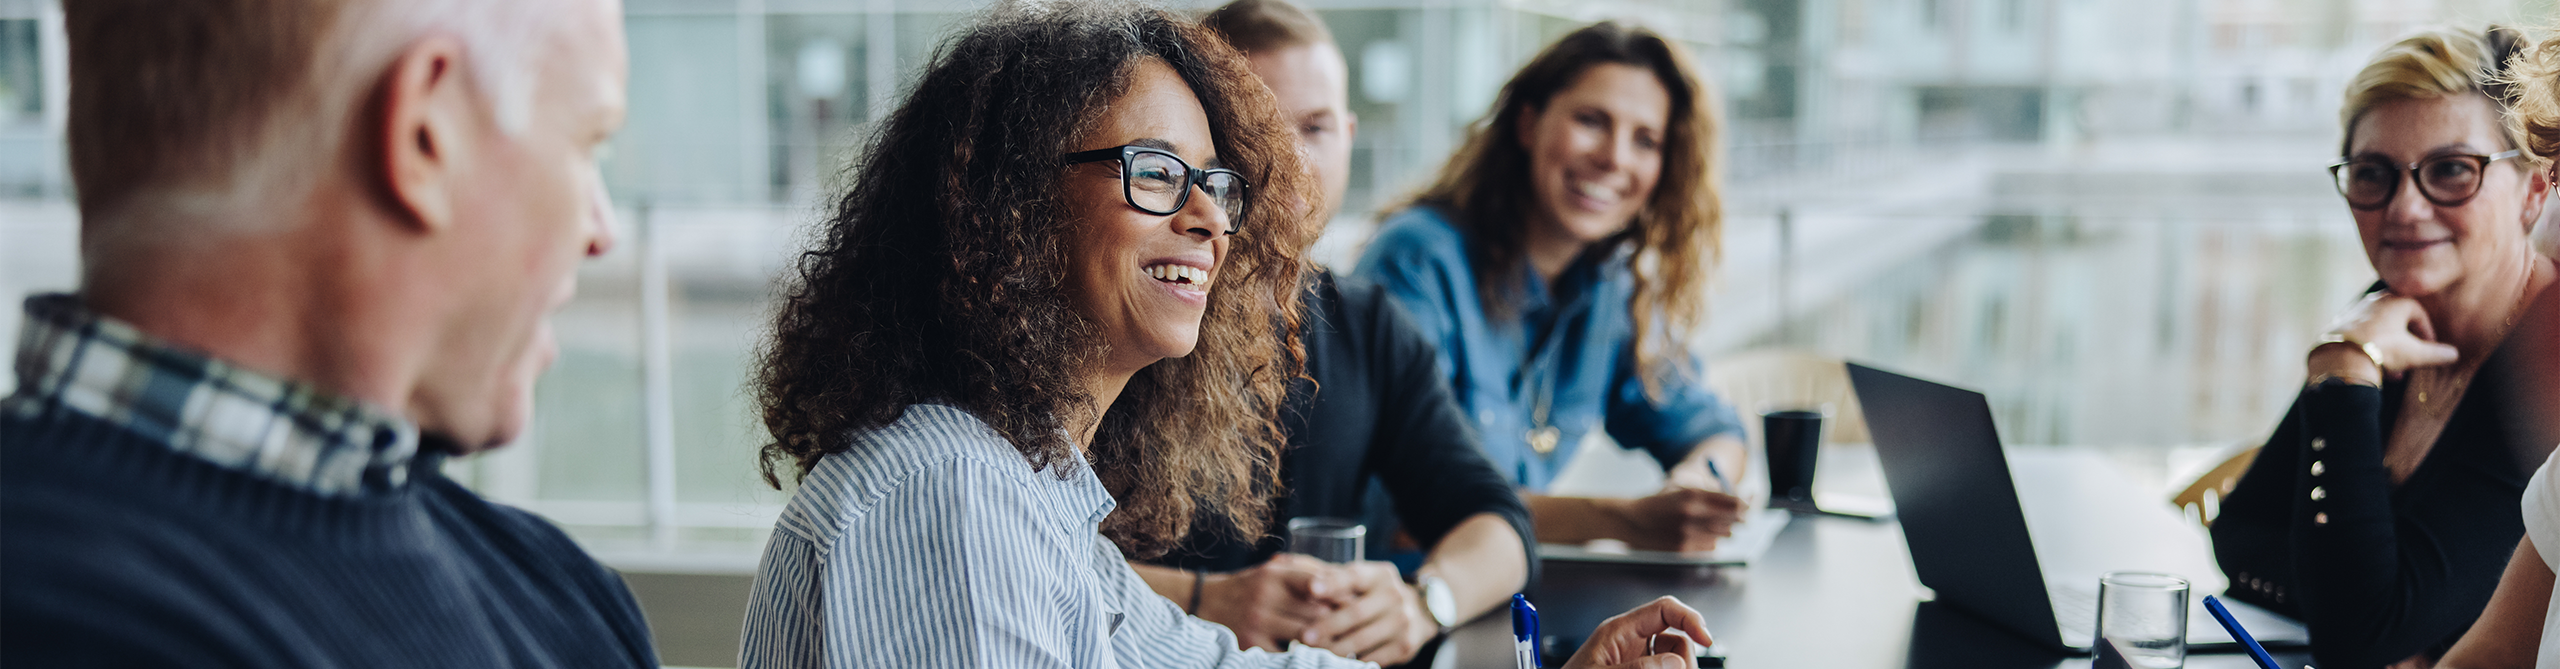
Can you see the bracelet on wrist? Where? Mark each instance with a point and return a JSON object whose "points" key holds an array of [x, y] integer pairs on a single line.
{"points": [[2371, 352]]}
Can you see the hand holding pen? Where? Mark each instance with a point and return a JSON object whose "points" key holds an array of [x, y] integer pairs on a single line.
{"points": [[1682, 518], [1696, 506]]}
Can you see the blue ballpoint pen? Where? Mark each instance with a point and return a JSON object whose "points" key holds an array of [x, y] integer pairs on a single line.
{"points": [[1721, 481], [1524, 633], [2223, 615]]}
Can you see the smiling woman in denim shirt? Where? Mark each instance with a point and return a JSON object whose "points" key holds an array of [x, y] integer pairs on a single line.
{"points": [[1522, 260]]}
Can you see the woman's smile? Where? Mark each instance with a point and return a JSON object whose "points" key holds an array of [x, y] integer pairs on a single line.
{"points": [[1186, 278], [1593, 196], [2409, 245]]}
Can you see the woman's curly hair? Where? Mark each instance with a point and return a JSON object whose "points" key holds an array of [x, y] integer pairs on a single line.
{"points": [[940, 276], [2534, 112]]}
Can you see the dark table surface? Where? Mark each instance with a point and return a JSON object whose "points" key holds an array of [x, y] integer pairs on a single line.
{"points": [[1830, 593]]}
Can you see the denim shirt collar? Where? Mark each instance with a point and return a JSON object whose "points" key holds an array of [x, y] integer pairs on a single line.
{"points": [[1580, 281]]}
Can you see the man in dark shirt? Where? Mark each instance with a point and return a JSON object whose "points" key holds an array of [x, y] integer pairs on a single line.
{"points": [[320, 239], [1377, 410]]}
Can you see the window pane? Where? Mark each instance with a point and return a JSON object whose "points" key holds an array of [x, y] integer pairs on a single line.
{"points": [[21, 74], [687, 138], [817, 87], [721, 263], [587, 443]]}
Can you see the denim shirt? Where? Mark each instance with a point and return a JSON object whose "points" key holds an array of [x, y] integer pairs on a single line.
{"points": [[1570, 346]]}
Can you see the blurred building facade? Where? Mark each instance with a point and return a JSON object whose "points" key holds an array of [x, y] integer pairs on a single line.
{"points": [[34, 79], [762, 100], [758, 101], [1812, 80]]}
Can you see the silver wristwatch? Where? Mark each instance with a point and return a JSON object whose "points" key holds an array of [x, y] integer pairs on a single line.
{"points": [[1438, 601]]}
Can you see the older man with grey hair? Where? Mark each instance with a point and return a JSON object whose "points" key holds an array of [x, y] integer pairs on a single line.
{"points": [[320, 240]]}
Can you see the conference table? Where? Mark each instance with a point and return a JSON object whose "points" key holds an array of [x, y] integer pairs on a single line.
{"points": [[1829, 593]]}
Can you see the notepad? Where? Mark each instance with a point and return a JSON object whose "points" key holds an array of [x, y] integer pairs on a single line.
{"points": [[1751, 537]]}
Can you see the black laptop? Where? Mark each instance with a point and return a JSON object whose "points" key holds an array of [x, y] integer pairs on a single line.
{"points": [[1970, 535]]}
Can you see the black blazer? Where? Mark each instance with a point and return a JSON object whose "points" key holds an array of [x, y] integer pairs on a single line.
{"points": [[1377, 415], [2380, 573]]}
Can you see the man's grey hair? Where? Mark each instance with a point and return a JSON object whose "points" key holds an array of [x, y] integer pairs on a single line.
{"points": [[502, 43], [279, 151]]}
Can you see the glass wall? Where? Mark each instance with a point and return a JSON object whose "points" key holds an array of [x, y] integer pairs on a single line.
{"points": [[33, 93], [38, 231], [2107, 213]]}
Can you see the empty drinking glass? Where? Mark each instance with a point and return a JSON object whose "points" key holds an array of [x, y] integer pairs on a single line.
{"points": [[2145, 616], [1337, 540]]}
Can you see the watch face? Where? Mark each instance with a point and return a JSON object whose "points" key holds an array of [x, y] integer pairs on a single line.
{"points": [[1436, 599]]}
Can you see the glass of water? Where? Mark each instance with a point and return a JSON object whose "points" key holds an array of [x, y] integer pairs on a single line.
{"points": [[1336, 540], [2145, 616]]}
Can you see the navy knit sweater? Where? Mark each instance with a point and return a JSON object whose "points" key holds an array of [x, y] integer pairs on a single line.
{"points": [[116, 551]]}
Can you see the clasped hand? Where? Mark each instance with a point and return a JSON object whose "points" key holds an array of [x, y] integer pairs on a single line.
{"points": [[1365, 611], [1361, 610], [2400, 333]]}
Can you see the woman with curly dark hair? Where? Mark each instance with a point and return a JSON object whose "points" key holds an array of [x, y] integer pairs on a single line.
{"points": [[1043, 314]]}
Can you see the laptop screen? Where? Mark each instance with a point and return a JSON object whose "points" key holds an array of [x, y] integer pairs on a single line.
{"points": [[1952, 493]]}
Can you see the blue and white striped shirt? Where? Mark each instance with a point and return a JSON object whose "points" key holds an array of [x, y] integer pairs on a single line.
{"points": [[932, 543]]}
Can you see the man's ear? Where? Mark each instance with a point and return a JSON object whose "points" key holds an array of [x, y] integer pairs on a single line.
{"points": [[426, 113]]}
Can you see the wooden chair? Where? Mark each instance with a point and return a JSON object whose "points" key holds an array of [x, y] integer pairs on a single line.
{"points": [[2202, 500], [1779, 378]]}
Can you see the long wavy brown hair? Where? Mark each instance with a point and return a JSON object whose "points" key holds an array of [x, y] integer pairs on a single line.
{"points": [[1674, 241], [940, 276]]}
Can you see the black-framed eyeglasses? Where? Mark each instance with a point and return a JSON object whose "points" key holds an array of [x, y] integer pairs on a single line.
{"points": [[1158, 182], [2448, 181]]}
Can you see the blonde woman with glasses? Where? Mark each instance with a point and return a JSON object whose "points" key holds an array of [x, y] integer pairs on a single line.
{"points": [[2385, 503], [2517, 630]]}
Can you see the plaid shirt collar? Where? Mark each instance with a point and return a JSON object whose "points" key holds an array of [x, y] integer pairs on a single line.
{"points": [[73, 359]]}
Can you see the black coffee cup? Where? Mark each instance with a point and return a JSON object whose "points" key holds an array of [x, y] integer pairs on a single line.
{"points": [[1794, 440]]}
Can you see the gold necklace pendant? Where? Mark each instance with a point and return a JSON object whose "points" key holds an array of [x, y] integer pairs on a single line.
{"points": [[1542, 439]]}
